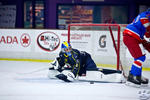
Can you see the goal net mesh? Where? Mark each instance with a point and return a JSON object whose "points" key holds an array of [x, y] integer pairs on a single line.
{"points": [[103, 41]]}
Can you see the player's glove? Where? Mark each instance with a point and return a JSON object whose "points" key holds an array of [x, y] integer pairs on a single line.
{"points": [[146, 45], [66, 76], [147, 34]]}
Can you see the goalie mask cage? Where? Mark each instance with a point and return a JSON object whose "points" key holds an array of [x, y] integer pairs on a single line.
{"points": [[103, 41]]}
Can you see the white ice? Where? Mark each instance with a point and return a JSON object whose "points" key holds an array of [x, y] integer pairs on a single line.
{"points": [[14, 85]]}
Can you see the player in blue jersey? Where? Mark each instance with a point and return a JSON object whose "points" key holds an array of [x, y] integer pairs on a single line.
{"points": [[78, 61], [133, 38]]}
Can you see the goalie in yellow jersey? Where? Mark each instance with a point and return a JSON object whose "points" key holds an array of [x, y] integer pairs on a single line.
{"points": [[72, 64]]}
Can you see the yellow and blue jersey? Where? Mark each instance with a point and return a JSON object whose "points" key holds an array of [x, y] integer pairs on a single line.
{"points": [[79, 61]]}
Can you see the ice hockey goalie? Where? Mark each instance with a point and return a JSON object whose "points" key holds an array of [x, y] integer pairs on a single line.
{"points": [[72, 65]]}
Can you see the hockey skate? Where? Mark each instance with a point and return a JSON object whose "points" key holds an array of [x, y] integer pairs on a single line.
{"points": [[136, 81], [144, 81], [133, 81]]}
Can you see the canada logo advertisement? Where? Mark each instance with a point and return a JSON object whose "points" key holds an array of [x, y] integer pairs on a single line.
{"points": [[48, 41], [25, 40]]}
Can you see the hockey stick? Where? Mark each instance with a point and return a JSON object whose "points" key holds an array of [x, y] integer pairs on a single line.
{"points": [[34, 71], [92, 82], [104, 71]]}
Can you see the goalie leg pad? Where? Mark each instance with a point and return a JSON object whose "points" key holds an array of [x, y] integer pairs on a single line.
{"points": [[101, 77]]}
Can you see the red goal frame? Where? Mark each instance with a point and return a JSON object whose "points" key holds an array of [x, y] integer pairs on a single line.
{"points": [[116, 46]]}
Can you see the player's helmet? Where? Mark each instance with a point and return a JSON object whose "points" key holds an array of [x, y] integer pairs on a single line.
{"points": [[66, 48]]}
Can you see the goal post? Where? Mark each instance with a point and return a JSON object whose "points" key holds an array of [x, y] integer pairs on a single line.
{"points": [[87, 36]]}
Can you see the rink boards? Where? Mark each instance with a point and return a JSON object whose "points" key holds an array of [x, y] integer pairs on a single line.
{"points": [[43, 45]]}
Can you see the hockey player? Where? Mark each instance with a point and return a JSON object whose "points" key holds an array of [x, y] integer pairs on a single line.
{"points": [[133, 38], [78, 61]]}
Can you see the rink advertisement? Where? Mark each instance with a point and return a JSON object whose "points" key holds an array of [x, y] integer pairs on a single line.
{"points": [[82, 40], [15, 41], [103, 44], [46, 44], [48, 41]]}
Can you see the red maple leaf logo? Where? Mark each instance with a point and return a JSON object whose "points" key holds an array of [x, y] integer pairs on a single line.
{"points": [[25, 40]]}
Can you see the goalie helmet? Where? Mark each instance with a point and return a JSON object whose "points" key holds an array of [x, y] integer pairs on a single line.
{"points": [[66, 48]]}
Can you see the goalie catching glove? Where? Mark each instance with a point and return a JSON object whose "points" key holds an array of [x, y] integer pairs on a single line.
{"points": [[66, 76], [54, 64], [57, 70]]}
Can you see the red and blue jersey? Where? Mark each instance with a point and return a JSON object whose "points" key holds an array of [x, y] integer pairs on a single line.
{"points": [[137, 28]]}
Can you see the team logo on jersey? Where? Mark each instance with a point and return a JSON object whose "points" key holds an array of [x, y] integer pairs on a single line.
{"points": [[66, 60], [48, 41]]}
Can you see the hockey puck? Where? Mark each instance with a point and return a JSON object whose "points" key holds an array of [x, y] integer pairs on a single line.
{"points": [[91, 82]]}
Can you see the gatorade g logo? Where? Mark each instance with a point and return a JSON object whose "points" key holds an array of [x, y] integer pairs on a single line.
{"points": [[102, 41], [48, 41]]}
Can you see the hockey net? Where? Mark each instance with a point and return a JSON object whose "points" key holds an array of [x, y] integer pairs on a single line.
{"points": [[103, 41]]}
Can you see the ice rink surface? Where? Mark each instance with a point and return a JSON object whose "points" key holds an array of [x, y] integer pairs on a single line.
{"points": [[36, 86]]}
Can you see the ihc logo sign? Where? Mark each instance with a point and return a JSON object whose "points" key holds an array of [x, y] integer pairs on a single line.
{"points": [[48, 41], [144, 94]]}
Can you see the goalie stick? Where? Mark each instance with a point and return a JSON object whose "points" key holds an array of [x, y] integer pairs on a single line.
{"points": [[99, 74], [39, 69], [34, 71], [106, 72]]}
